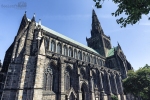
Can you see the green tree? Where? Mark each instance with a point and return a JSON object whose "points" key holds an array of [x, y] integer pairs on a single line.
{"points": [[138, 83], [133, 9], [113, 97]]}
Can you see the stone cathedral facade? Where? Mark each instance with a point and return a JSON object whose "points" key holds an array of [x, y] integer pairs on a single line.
{"points": [[42, 64]]}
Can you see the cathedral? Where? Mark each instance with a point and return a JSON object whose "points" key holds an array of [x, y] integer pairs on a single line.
{"points": [[42, 64]]}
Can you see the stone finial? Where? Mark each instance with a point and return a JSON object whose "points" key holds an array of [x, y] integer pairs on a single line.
{"points": [[39, 21], [24, 14], [34, 15]]}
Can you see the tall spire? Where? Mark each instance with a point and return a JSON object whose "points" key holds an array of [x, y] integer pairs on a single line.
{"points": [[98, 40], [96, 27], [95, 20]]}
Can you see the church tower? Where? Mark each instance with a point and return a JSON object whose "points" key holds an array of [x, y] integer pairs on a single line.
{"points": [[98, 40]]}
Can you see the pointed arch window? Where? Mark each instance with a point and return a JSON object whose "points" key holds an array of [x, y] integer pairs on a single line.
{"points": [[65, 50], [99, 62], [89, 58], [83, 56], [48, 79], [80, 55], [83, 74], [59, 49], [67, 81], [70, 52], [103, 63], [94, 58], [86, 58], [68, 77], [53, 46], [75, 54]]}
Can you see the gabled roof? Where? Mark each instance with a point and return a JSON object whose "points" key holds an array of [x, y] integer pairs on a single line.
{"points": [[66, 38], [112, 51]]}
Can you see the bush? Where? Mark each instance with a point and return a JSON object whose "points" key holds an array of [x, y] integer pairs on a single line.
{"points": [[113, 97]]}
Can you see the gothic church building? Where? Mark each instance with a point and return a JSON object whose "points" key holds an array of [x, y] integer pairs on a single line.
{"points": [[42, 64]]}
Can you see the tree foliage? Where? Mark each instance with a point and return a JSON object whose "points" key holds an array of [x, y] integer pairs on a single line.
{"points": [[138, 83], [133, 9], [113, 97]]}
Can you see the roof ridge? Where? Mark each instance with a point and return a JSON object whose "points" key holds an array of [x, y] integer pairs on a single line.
{"points": [[66, 38]]}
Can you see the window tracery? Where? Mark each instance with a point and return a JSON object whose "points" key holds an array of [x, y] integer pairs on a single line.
{"points": [[94, 60], [65, 50], [70, 52], [67, 81], [75, 54], [59, 49], [48, 79], [53, 46], [80, 55], [68, 73], [89, 58], [84, 57], [83, 74]]}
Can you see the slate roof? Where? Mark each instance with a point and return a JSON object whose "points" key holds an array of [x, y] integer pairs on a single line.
{"points": [[66, 38], [112, 51]]}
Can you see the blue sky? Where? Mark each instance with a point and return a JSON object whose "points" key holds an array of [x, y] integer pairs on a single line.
{"points": [[73, 19]]}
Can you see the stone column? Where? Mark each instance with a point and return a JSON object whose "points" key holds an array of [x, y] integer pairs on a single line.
{"points": [[62, 49], [72, 52], [22, 81], [109, 83], [38, 85], [79, 90], [125, 70], [62, 79], [120, 83], [101, 81], [56, 42], [114, 78], [102, 92], [81, 55], [50, 44], [109, 86], [67, 50], [92, 86]]}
